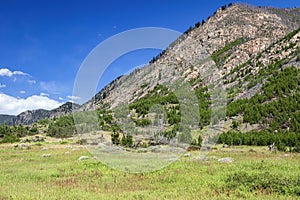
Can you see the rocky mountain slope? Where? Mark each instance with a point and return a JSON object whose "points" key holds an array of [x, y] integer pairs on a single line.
{"points": [[232, 50], [223, 43], [226, 63]]}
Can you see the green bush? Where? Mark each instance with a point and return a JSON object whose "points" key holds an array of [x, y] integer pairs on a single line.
{"points": [[62, 127], [10, 139], [127, 140]]}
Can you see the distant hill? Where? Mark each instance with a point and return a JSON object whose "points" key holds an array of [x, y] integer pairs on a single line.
{"points": [[7, 119], [31, 116]]}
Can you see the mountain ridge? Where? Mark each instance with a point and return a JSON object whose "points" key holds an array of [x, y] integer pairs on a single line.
{"points": [[210, 38], [30, 116]]}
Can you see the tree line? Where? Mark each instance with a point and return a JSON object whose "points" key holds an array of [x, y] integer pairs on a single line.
{"points": [[283, 141]]}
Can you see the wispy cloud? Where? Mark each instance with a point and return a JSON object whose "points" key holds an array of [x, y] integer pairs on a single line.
{"points": [[73, 99], [51, 87], [31, 81], [22, 92], [2, 85], [9, 73]]}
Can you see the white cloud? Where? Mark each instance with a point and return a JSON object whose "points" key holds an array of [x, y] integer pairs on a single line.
{"points": [[13, 106], [44, 94], [60, 98], [9, 73], [22, 92], [2, 85], [73, 99], [20, 73], [5, 72]]}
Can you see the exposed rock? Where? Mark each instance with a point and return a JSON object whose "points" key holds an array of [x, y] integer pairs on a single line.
{"points": [[22, 146], [206, 158], [47, 155], [225, 160], [142, 150], [83, 158], [259, 26], [187, 155]]}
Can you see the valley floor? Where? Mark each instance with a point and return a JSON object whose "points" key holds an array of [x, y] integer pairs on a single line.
{"points": [[54, 171]]}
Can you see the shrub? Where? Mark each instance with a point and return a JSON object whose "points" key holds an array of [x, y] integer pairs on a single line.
{"points": [[10, 139]]}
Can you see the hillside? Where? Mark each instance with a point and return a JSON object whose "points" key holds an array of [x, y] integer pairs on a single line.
{"points": [[212, 79], [225, 41], [225, 60]]}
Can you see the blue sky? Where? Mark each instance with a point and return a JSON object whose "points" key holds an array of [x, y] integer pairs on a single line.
{"points": [[43, 43]]}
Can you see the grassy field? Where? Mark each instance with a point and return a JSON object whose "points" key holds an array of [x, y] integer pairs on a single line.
{"points": [[254, 174]]}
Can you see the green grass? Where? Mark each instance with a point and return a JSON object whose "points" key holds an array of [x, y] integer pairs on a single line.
{"points": [[25, 174]]}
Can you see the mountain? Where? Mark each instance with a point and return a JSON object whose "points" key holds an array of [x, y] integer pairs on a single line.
{"points": [[228, 60], [7, 119], [237, 71], [231, 39], [31, 116]]}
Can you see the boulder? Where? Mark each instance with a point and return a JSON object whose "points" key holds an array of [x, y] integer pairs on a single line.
{"points": [[225, 160], [22, 146], [187, 155], [83, 157]]}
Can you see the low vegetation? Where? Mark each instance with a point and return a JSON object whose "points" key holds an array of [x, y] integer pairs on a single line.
{"points": [[254, 174], [10, 134]]}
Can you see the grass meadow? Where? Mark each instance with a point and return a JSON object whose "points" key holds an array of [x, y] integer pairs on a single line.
{"points": [[255, 173]]}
